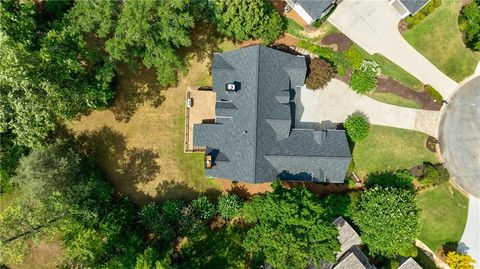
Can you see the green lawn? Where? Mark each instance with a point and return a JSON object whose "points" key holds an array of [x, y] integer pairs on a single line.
{"points": [[438, 38], [392, 70], [394, 99], [443, 216], [387, 148]]}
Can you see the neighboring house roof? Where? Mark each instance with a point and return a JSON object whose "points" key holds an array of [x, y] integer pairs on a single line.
{"points": [[410, 264], [414, 5], [253, 138], [315, 8], [354, 258], [347, 236]]}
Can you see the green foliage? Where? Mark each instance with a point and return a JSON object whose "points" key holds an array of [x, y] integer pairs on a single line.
{"points": [[364, 80], [229, 206], [392, 264], [17, 20], [471, 24], [337, 205], [355, 57], [203, 208], [287, 223], [65, 195], [243, 20], [217, 248], [97, 16], [152, 259], [336, 58], [388, 219], [45, 77], [153, 30], [153, 220], [422, 13], [433, 93], [320, 74], [434, 174], [401, 179], [357, 127]]}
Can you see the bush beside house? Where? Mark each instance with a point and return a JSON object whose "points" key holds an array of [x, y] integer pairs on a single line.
{"points": [[357, 127], [321, 72], [422, 13]]}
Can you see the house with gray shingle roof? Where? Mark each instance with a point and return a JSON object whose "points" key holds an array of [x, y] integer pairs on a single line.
{"points": [[407, 8], [254, 138], [311, 10]]}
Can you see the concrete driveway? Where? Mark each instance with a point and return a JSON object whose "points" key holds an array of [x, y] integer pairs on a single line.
{"points": [[460, 137], [470, 242], [325, 108], [374, 26]]}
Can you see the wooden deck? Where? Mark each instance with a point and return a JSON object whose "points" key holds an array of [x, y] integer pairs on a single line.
{"points": [[202, 110]]}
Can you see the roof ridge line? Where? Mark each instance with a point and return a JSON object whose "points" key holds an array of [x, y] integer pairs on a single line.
{"points": [[256, 118], [307, 156]]}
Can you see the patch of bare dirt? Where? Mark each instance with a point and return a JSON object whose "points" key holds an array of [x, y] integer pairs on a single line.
{"points": [[342, 42]]}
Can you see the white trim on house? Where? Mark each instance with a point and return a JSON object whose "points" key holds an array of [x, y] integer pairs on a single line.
{"points": [[302, 13], [404, 15]]}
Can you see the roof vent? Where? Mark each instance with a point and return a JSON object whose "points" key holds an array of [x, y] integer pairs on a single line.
{"points": [[231, 87]]}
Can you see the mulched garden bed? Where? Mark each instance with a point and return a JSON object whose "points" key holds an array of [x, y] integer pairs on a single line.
{"points": [[431, 143], [342, 42], [386, 84]]}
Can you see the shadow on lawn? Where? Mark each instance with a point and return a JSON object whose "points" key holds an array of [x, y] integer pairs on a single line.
{"points": [[123, 166], [135, 86]]}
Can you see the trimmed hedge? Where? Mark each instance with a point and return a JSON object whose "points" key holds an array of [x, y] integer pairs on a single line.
{"points": [[357, 127], [422, 13]]}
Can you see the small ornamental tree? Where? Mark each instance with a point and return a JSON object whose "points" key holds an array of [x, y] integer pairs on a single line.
{"points": [[229, 206], [320, 74], [458, 261], [357, 127], [388, 219], [470, 24]]}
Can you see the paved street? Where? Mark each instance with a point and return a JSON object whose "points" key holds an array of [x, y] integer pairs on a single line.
{"points": [[374, 26], [460, 137], [470, 242], [325, 108]]}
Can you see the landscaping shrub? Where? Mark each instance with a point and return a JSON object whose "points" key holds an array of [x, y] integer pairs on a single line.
{"points": [[469, 24], [401, 179], [355, 57], [357, 127], [434, 174], [433, 93], [337, 58], [422, 13], [320, 74], [364, 80], [229, 206], [459, 261], [203, 208], [393, 264]]}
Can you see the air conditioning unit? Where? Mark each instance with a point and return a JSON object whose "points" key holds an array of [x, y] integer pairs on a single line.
{"points": [[230, 87], [189, 102]]}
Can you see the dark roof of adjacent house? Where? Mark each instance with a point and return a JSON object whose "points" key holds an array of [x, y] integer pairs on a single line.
{"points": [[354, 258], [253, 138], [314, 8], [414, 5], [409, 264]]}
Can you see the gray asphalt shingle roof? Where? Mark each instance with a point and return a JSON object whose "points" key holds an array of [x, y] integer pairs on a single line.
{"points": [[414, 5], [252, 139], [314, 8]]}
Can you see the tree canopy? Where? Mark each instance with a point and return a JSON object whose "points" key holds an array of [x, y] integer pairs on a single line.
{"points": [[153, 30], [290, 228], [242, 20], [388, 219]]}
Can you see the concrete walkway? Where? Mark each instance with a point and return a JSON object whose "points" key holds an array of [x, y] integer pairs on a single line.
{"points": [[470, 242], [325, 108], [374, 26]]}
